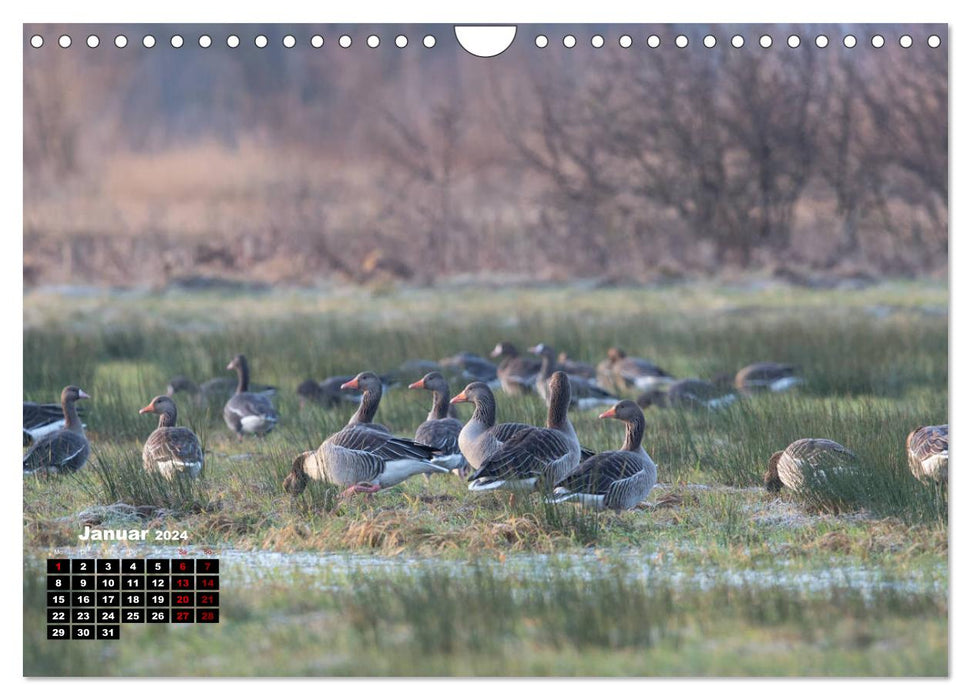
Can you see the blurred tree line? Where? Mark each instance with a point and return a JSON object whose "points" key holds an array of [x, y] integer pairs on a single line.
{"points": [[302, 164]]}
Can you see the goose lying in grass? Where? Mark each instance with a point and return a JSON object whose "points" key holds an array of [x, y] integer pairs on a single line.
{"points": [[619, 372], [170, 450], [807, 464], [927, 450], [516, 373], [583, 394], [247, 413], [618, 479], [41, 419], [689, 393], [440, 429], [534, 457], [766, 376], [65, 449]]}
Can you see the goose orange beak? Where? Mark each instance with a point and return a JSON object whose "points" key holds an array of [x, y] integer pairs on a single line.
{"points": [[82, 395], [350, 385], [148, 409], [459, 398], [420, 384], [609, 413]]}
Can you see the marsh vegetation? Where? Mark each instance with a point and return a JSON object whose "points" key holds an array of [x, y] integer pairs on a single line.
{"points": [[712, 575]]}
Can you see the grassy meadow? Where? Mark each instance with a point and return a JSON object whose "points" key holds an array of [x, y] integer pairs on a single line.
{"points": [[712, 576]]}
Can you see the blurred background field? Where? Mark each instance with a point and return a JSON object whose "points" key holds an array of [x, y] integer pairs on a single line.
{"points": [[300, 166]]}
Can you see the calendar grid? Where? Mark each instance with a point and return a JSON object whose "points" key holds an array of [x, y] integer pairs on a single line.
{"points": [[92, 598]]}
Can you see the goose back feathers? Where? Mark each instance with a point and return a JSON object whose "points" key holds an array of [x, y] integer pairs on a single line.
{"points": [[808, 463], [927, 452]]}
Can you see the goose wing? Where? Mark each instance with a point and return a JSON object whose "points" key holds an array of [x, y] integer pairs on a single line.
{"points": [[598, 473], [37, 415], [442, 434], [167, 443], [63, 449], [528, 453], [250, 404], [382, 445]]}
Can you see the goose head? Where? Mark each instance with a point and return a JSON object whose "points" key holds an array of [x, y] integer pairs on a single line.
{"points": [[365, 381], [433, 381]]}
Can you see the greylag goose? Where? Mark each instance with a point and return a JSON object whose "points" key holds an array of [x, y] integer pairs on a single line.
{"points": [[689, 393], [618, 479], [516, 373], [472, 367], [927, 452], [576, 368], [808, 463], [372, 388], [326, 393], [441, 429], [246, 412], [583, 394], [218, 389], [363, 459], [41, 419], [65, 449], [481, 438], [619, 372], [534, 457], [766, 376], [170, 451]]}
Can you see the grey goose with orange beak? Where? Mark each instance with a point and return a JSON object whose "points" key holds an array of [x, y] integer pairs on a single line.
{"points": [[617, 479], [441, 429], [363, 457], [534, 457], [481, 438], [65, 449], [170, 450]]}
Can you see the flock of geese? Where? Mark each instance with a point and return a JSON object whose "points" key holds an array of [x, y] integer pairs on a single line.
{"points": [[365, 457]]}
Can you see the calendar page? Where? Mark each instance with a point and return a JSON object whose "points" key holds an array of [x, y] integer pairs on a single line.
{"points": [[508, 350]]}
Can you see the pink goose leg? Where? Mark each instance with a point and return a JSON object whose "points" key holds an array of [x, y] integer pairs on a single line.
{"points": [[361, 488]]}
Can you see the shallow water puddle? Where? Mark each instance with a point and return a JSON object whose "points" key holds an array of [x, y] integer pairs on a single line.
{"points": [[328, 570]]}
